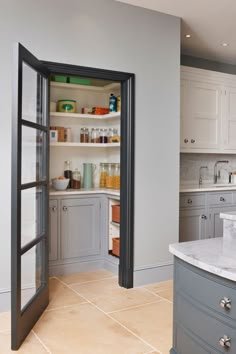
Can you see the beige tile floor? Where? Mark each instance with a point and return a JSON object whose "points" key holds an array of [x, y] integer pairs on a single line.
{"points": [[90, 314]]}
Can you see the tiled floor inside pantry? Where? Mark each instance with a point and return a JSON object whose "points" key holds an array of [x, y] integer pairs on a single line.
{"points": [[90, 314]]}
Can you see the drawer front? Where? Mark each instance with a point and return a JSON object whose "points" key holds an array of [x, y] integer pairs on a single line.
{"points": [[206, 291], [187, 344], [204, 326], [190, 200], [224, 198]]}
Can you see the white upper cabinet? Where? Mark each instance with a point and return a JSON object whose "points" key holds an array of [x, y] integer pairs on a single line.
{"points": [[208, 111]]}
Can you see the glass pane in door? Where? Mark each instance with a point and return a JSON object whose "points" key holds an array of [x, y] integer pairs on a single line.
{"points": [[31, 273], [33, 95], [33, 164], [33, 207]]}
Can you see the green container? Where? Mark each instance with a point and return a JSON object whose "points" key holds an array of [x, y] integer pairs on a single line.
{"points": [[59, 78], [79, 81]]}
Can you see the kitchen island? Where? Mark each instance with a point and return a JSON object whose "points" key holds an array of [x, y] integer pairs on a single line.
{"points": [[205, 293]]}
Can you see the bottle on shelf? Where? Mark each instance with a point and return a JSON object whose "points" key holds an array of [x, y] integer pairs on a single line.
{"points": [[116, 178], [68, 171], [112, 103], [76, 179]]}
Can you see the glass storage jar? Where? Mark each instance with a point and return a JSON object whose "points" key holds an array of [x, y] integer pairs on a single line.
{"points": [[84, 135], [103, 175], [95, 135], [110, 175], [111, 133], [116, 178], [103, 136], [68, 171], [76, 179]]}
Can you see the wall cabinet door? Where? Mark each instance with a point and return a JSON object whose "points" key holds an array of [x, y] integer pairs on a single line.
{"points": [[80, 227], [201, 115], [193, 225], [229, 122], [53, 229], [215, 222]]}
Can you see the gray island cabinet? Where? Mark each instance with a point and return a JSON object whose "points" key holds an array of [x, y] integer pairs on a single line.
{"points": [[205, 293]]}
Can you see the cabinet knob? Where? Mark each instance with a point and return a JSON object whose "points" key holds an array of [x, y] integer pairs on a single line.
{"points": [[186, 141], [225, 303], [225, 341], [222, 199], [54, 209], [64, 208], [192, 141], [204, 217], [189, 201]]}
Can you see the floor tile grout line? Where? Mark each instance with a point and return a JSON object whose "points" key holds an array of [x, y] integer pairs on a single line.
{"points": [[67, 306], [40, 341], [86, 282], [161, 297], [120, 324], [134, 307]]}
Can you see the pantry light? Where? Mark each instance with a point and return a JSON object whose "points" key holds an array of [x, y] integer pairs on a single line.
{"points": [[187, 35], [225, 44]]}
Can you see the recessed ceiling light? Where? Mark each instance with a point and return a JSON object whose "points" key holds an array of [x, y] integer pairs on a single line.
{"points": [[187, 35], [225, 44]]}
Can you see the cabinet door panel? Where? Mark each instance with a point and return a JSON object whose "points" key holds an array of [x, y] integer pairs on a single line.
{"points": [[230, 119], [202, 115], [80, 227], [215, 222], [193, 225], [53, 235]]}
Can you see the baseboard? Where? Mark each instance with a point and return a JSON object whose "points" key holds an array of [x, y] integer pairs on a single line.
{"points": [[111, 266], [75, 267], [153, 274]]}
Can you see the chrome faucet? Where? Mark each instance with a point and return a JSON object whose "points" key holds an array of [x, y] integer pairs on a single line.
{"points": [[200, 174], [217, 175]]}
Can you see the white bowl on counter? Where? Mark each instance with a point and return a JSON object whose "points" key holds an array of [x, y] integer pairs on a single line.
{"points": [[60, 184]]}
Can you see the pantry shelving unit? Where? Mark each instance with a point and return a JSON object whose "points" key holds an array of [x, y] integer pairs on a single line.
{"points": [[109, 116], [85, 145]]}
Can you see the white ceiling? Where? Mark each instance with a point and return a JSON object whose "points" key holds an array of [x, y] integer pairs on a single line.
{"points": [[210, 22]]}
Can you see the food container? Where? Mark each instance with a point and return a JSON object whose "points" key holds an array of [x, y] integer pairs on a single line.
{"points": [[67, 135], [100, 110], [53, 136], [84, 135], [60, 184], [79, 81], [66, 106], [116, 246], [109, 176], [103, 136], [95, 135], [111, 133], [103, 175], [116, 177], [86, 110], [60, 78], [118, 104], [115, 215], [76, 179]]}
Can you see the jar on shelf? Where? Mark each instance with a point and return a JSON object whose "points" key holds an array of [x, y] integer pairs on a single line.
{"points": [[118, 104], [103, 136], [109, 176], [111, 133], [68, 171], [84, 135], [103, 175], [95, 135], [116, 178], [76, 179]]}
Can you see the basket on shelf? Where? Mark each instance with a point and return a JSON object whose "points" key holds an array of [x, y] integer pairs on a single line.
{"points": [[116, 246], [116, 213]]}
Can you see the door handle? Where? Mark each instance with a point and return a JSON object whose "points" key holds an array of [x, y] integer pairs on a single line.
{"points": [[54, 209], [204, 217], [222, 199], [64, 208]]}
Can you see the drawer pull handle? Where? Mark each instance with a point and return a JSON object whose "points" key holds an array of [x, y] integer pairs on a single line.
{"points": [[54, 209], [189, 201], [192, 141], [225, 341], [64, 208], [186, 141], [225, 303], [204, 217], [222, 199]]}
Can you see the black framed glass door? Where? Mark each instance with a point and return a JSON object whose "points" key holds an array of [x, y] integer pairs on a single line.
{"points": [[30, 188]]}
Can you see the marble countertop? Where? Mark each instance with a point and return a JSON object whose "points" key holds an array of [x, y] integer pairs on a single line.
{"points": [[216, 255], [206, 188], [112, 192]]}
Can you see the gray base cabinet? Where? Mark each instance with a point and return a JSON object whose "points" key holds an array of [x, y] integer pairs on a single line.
{"points": [[201, 325], [53, 230], [199, 214], [80, 227]]}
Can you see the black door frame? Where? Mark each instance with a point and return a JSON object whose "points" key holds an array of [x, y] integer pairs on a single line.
{"points": [[127, 81]]}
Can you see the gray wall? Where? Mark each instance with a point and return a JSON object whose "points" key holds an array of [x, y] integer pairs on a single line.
{"points": [[111, 35]]}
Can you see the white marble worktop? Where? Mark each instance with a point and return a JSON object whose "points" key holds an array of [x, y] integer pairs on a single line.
{"points": [[216, 255], [111, 192], [206, 188]]}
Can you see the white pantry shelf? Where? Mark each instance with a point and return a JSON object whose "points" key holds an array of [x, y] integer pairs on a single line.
{"points": [[85, 116], [85, 145], [106, 88]]}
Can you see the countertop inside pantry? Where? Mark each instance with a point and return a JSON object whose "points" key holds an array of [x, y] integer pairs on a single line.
{"points": [[189, 188], [112, 192], [216, 255]]}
